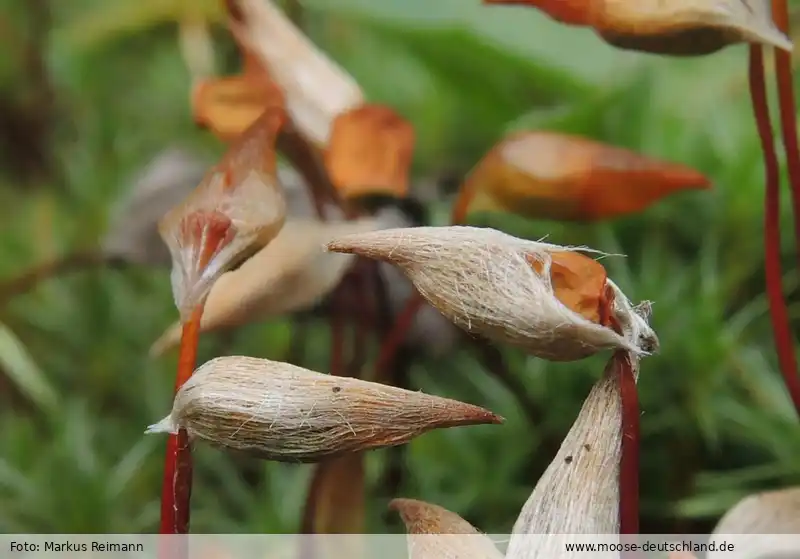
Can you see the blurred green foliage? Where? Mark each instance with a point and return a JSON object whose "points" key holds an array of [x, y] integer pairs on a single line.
{"points": [[78, 388]]}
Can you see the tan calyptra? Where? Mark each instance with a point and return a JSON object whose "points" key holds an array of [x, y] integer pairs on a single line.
{"points": [[672, 27], [239, 206], [278, 411], [434, 532], [579, 491], [290, 274], [550, 300]]}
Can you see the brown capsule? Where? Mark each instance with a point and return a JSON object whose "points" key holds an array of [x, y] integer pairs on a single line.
{"points": [[548, 175], [435, 532], [688, 27], [228, 106], [278, 411], [369, 152], [483, 280]]}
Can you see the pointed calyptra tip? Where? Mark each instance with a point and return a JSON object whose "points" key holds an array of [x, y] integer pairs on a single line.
{"points": [[386, 244], [343, 245], [434, 531], [426, 518], [474, 415]]}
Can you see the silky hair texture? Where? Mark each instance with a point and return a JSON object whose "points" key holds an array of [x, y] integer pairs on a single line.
{"points": [[282, 412], [482, 280]]}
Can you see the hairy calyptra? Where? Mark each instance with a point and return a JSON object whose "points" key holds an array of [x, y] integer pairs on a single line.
{"points": [[540, 297], [278, 411], [367, 148]]}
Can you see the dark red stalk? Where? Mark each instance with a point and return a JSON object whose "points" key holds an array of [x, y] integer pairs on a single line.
{"points": [[629, 461], [783, 71], [786, 104], [361, 298], [779, 313], [464, 198]]}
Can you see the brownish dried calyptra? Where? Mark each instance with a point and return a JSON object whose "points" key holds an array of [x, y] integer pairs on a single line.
{"points": [[499, 286], [434, 532], [238, 207], [278, 411]]}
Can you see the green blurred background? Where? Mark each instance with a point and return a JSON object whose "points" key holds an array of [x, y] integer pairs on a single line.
{"points": [[94, 90]]}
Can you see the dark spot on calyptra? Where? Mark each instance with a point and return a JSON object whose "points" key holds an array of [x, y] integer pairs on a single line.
{"points": [[587, 447], [337, 389], [568, 459]]}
